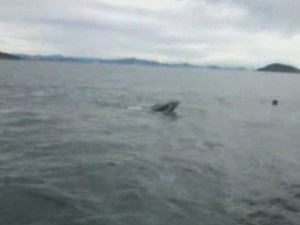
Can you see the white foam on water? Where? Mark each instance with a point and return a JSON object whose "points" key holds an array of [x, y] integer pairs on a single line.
{"points": [[137, 108]]}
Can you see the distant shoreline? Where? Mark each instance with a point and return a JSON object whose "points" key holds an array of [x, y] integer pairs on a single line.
{"points": [[275, 67], [120, 61]]}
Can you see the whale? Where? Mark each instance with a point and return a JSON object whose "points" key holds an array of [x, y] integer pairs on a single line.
{"points": [[166, 108]]}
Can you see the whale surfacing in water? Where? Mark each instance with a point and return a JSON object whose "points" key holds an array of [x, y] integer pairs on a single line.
{"points": [[166, 108]]}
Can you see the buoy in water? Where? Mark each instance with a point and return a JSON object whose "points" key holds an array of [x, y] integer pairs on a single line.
{"points": [[275, 102]]}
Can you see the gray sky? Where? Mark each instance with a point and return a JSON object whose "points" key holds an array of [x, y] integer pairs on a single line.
{"points": [[222, 32]]}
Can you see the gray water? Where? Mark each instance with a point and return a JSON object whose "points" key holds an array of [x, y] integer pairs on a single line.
{"points": [[78, 145]]}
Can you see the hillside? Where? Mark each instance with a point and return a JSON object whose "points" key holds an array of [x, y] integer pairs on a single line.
{"points": [[7, 56], [277, 67]]}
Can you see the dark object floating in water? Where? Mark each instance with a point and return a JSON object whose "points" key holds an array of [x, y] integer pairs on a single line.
{"points": [[275, 102], [166, 108], [277, 67]]}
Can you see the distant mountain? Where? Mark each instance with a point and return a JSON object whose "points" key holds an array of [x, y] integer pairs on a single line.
{"points": [[8, 56], [122, 61], [277, 67], [56, 58], [135, 61], [130, 61]]}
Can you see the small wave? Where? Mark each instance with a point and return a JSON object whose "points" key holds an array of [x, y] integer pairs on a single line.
{"points": [[277, 210], [25, 205], [222, 101], [213, 145], [261, 217], [297, 195], [25, 122], [137, 108], [39, 94], [294, 189], [6, 111], [283, 204], [109, 104]]}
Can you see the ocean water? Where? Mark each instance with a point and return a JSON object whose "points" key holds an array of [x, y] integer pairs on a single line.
{"points": [[79, 145]]}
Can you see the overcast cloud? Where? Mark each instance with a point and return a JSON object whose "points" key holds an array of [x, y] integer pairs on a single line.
{"points": [[223, 32]]}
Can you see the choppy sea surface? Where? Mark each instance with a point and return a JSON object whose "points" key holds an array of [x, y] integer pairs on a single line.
{"points": [[79, 145]]}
